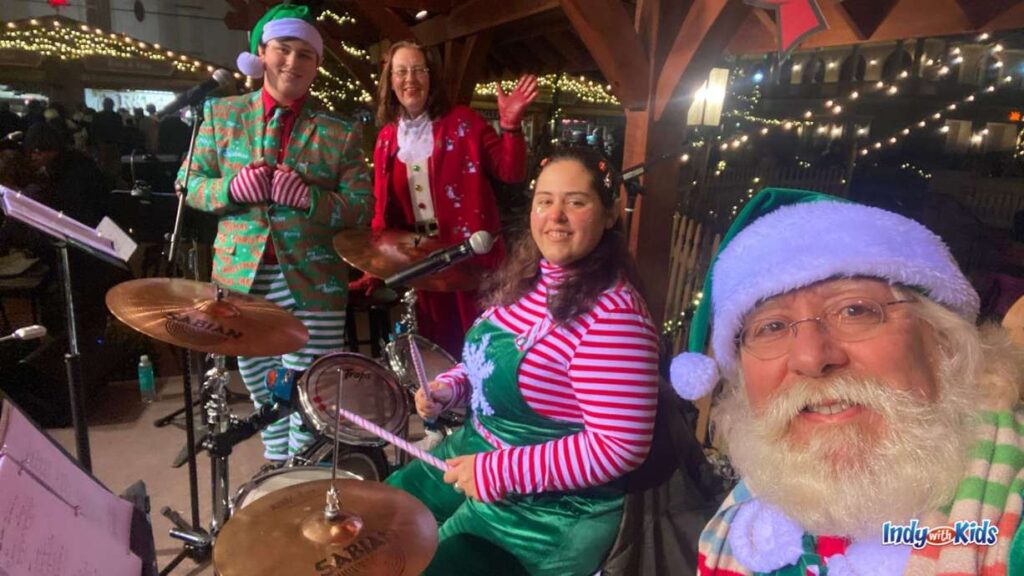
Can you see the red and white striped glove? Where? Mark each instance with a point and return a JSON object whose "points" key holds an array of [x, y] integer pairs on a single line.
{"points": [[251, 185], [288, 189]]}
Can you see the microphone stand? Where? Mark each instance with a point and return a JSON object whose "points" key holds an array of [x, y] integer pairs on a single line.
{"points": [[197, 116], [198, 544]]}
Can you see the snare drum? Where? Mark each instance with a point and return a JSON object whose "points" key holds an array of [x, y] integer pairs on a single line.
{"points": [[274, 480], [369, 390], [436, 361]]}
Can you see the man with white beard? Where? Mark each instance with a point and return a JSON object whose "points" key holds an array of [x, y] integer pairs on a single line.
{"points": [[862, 408]]}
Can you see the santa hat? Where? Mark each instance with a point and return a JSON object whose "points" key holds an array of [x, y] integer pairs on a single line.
{"points": [[784, 240], [281, 21]]}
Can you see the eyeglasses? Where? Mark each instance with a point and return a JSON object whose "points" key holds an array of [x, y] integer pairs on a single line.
{"points": [[848, 320], [403, 73]]}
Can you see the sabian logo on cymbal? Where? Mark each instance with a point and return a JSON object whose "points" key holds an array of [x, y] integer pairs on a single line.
{"points": [[362, 552], [199, 330]]}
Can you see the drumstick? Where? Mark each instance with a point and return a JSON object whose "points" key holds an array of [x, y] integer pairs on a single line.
{"points": [[398, 442], [421, 375], [417, 364]]}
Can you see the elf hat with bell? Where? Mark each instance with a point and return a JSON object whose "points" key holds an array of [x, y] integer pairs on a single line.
{"points": [[784, 240], [281, 21]]}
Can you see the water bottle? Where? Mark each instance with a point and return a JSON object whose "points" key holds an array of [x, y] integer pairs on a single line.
{"points": [[146, 384]]}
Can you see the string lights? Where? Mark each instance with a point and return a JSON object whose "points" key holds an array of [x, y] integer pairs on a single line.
{"points": [[66, 39], [583, 89]]}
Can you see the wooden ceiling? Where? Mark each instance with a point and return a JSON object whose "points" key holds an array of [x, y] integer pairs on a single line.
{"points": [[525, 35], [481, 40]]}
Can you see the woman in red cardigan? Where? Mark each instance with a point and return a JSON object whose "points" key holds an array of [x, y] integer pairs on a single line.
{"points": [[432, 165]]}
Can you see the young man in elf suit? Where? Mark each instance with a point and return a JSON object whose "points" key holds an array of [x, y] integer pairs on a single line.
{"points": [[284, 178], [860, 399]]}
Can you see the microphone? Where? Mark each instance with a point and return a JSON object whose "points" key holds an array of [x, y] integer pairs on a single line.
{"points": [[478, 244], [27, 333], [196, 94]]}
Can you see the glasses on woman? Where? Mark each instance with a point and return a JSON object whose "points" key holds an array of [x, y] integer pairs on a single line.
{"points": [[403, 73], [847, 320]]}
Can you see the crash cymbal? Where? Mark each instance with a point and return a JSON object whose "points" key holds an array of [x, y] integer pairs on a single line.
{"points": [[188, 314], [391, 251], [1014, 322], [285, 532]]}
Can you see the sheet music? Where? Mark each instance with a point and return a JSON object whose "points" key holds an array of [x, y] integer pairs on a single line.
{"points": [[41, 535], [52, 222], [102, 511], [123, 243]]}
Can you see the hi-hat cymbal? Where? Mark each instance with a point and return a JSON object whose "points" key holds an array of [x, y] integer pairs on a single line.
{"points": [[285, 532], [189, 314], [391, 251]]}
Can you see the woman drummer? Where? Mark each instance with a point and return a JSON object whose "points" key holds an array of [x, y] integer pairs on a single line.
{"points": [[560, 375]]}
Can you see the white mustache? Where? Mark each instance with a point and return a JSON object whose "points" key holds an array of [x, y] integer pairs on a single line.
{"points": [[871, 393]]}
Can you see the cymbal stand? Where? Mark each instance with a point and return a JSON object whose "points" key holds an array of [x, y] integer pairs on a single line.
{"points": [[218, 419], [407, 324], [332, 510], [199, 542]]}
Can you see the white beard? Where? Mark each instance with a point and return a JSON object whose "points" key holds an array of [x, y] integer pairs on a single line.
{"points": [[843, 482]]}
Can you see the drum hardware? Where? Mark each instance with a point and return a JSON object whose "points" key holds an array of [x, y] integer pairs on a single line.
{"points": [[207, 318], [386, 253], [376, 530]]}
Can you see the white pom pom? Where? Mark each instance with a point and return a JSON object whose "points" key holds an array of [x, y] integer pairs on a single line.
{"points": [[763, 538], [693, 375], [249, 64]]}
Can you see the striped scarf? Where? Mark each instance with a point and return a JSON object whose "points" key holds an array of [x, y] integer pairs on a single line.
{"points": [[992, 488]]}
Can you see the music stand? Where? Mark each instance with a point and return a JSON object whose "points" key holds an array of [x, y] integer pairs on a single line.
{"points": [[112, 246]]}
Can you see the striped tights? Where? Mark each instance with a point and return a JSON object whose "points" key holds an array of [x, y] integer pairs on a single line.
{"points": [[326, 334]]}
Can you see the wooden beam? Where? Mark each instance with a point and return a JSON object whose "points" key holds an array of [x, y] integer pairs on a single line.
{"points": [[574, 54], [533, 27], [435, 6], [464, 64], [766, 20], [243, 14], [708, 29], [865, 16], [475, 15], [606, 29], [907, 19], [981, 12], [391, 26]]}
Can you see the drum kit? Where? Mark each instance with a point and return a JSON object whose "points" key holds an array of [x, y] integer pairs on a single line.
{"points": [[305, 517]]}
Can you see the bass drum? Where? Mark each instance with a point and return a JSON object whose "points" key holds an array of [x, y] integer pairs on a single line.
{"points": [[436, 361], [263, 484], [368, 390], [364, 462]]}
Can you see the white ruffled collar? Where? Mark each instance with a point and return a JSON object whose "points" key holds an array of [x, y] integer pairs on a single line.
{"points": [[415, 138]]}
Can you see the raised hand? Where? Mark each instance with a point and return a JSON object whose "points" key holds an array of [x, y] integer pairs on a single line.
{"points": [[251, 185], [288, 188], [512, 106]]}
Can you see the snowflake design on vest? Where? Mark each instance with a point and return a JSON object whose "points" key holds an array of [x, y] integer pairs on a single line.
{"points": [[478, 368]]}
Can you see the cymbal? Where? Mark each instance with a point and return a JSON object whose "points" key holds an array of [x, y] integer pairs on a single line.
{"points": [[1014, 322], [285, 532], [188, 314], [391, 251]]}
